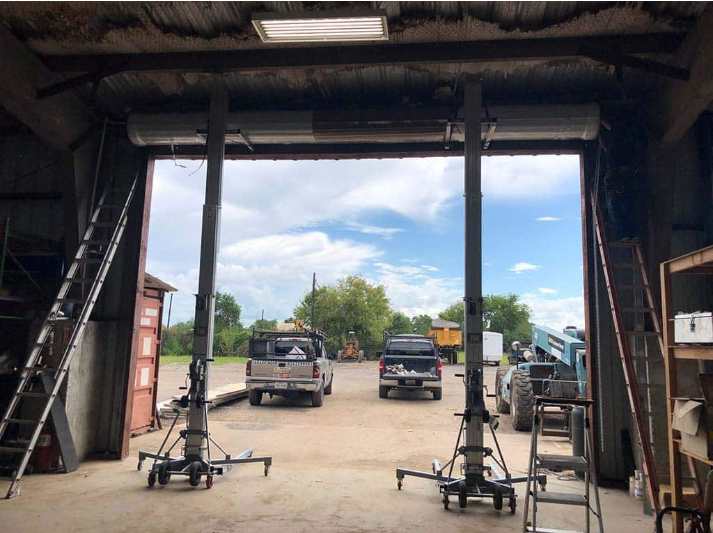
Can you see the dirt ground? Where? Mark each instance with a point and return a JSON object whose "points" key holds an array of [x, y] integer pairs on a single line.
{"points": [[333, 471]]}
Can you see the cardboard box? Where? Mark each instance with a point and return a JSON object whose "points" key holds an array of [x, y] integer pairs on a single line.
{"points": [[691, 418]]}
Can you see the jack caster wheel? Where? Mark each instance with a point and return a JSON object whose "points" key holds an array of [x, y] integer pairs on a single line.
{"points": [[194, 473], [267, 470], [152, 479], [513, 504], [445, 501], [139, 465], [208, 482], [399, 484], [164, 474], [462, 494], [498, 500]]}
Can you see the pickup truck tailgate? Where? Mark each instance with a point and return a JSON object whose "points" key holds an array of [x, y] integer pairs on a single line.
{"points": [[418, 367], [281, 368]]}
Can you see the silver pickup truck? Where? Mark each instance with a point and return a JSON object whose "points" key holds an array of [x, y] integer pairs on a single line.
{"points": [[288, 364]]}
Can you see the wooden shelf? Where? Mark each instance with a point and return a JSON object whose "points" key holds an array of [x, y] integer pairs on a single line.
{"points": [[692, 352], [700, 458], [698, 262]]}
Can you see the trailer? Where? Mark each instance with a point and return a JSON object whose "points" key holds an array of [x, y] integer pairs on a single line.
{"points": [[492, 347], [448, 338]]}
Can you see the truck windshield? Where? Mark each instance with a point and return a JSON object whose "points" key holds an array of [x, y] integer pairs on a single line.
{"points": [[423, 349]]}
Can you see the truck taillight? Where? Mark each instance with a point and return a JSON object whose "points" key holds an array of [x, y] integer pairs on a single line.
{"points": [[381, 366], [249, 368], [440, 367], [315, 370]]}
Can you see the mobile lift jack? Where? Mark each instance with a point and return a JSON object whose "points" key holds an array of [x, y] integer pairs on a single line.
{"points": [[195, 460], [473, 483]]}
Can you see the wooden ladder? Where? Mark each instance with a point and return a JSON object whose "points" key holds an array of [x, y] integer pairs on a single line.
{"points": [[645, 307]]}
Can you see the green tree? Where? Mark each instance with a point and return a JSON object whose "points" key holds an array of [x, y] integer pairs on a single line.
{"points": [[421, 324], [264, 324], [400, 323], [351, 304], [227, 312], [178, 339], [506, 314]]}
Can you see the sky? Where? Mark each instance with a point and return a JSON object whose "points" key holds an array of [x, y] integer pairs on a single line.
{"points": [[397, 222]]}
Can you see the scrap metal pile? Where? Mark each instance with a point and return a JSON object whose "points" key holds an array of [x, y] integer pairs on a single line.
{"points": [[400, 370]]}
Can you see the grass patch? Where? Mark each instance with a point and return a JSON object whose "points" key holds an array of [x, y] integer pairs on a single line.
{"points": [[185, 359]]}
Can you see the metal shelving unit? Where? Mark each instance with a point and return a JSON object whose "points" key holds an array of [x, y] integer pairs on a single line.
{"points": [[698, 262]]}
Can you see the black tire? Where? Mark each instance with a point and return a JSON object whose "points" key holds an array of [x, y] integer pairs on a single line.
{"points": [[164, 474], [194, 473], [522, 400], [513, 504], [437, 394], [328, 389], [498, 500], [255, 397], [383, 392], [318, 397], [152, 479], [501, 406], [462, 494], [497, 363]]}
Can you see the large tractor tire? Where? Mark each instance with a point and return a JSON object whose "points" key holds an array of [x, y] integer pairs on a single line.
{"points": [[522, 400], [339, 356], [501, 406], [361, 355]]}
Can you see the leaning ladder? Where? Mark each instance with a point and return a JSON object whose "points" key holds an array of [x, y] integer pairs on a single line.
{"points": [[89, 268], [643, 418]]}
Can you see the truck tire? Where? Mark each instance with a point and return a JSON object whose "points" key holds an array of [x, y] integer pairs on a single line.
{"points": [[361, 355], [501, 406], [328, 389], [383, 392], [318, 397], [255, 397], [437, 394], [522, 400], [339, 356]]}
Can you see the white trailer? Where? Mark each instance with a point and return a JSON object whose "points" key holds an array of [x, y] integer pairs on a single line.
{"points": [[492, 347]]}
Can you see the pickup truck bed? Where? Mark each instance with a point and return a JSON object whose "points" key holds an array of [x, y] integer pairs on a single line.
{"points": [[410, 373]]}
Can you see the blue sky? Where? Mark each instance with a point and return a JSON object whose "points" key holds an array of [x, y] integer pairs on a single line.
{"points": [[397, 222]]}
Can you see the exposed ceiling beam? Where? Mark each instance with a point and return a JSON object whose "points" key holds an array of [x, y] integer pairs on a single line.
{"points": [[681, 102], [367, 55], [367, 150], [61, 121]]}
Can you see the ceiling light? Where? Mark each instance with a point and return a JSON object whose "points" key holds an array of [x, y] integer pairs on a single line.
{"points": [[321, 26]]}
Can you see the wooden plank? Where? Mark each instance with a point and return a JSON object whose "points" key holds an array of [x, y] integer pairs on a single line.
{"points": [[692, 352], [697, 259]]}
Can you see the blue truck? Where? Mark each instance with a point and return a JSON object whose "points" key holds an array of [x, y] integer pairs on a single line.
{"points": [[558, 370]]}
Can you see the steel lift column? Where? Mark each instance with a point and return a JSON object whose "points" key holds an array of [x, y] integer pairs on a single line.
{"points": [[472, 482], [196, 461]]}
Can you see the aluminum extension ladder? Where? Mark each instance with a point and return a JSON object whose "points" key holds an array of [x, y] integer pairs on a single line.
{"points": [[88, 269], [641, 307], [558, 463]]}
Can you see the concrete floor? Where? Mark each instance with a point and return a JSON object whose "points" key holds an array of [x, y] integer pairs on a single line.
{"points": [[333, 471]]}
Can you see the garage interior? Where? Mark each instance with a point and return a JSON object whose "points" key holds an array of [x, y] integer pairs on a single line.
{"points": [[93, 94]]}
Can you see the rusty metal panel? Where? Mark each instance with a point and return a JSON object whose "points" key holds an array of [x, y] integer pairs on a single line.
{"points": [[147, 361]]}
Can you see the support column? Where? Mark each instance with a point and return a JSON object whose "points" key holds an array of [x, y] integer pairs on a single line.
{"points": [[205, 299], [473, 283]]}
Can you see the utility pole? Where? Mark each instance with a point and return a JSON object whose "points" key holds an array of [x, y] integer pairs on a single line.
{"points": [[314, 289]]}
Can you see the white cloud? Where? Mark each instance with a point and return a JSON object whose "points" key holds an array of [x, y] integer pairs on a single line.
{"points": [[548, 219], [414, 291], [386, 233], [545, 290], [542, 176], [523, 266], [556, 313]]}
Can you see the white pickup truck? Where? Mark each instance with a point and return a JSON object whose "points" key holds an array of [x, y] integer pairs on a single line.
{"points": [[288, 364]]}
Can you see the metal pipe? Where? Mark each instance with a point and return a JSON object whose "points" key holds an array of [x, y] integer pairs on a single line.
{"points": [[500, 123]]}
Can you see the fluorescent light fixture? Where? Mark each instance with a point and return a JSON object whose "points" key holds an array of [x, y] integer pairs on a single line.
{"points": [[321, 26]]}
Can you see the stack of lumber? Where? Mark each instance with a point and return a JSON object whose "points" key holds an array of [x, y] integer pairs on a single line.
{"points": [[219, 396]]}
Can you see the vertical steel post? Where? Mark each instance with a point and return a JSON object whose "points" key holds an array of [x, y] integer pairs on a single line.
{"points": [[205, 299], [473, 284]]}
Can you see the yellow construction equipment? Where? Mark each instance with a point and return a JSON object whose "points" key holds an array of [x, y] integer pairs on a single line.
{"points": [[351, 351], [448, 338]]}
